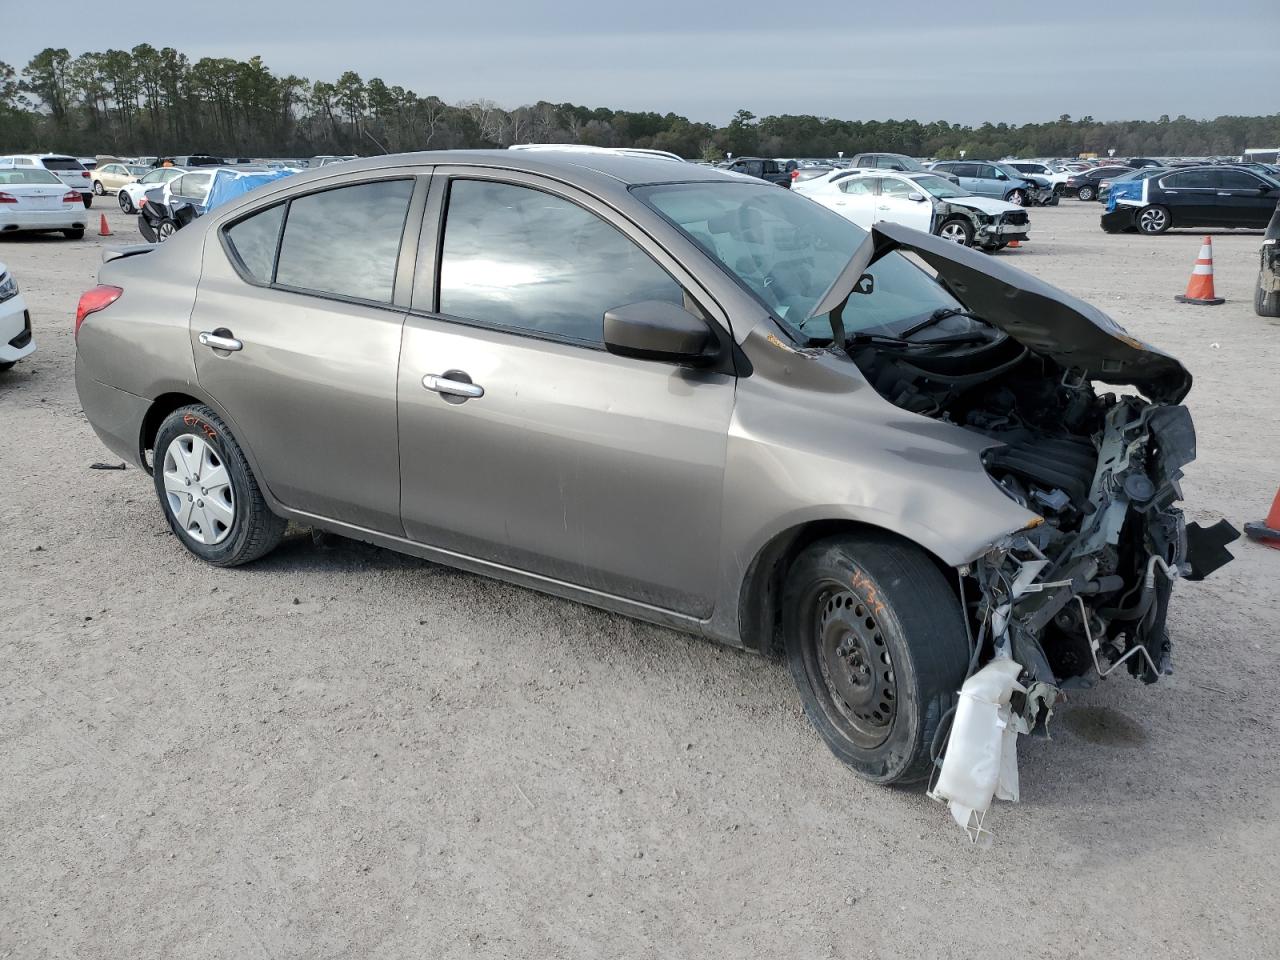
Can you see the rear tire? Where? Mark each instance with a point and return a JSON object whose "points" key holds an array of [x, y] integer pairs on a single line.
{"points": [[1153, 220], [7, 365], [1086, 193], [88, 200], [165, 229], [75, 233], [876, 644], [236, 526]]}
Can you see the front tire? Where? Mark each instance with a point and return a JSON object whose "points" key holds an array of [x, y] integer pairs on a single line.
{"points": [[1018, 197], [1266, 304], [126, 205], [1154, 220], [1086, 193], [957, 230], [208, 492], [876, 644]]}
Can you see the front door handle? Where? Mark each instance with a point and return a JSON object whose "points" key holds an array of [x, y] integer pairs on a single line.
{"points": [[452, 385], [220, 339]]}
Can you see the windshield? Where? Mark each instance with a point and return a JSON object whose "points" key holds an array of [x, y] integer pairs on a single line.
{"points": [[788, 250], [27, 175], [940, 188]]}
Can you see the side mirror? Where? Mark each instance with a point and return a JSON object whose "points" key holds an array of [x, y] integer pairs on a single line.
{"points": [[658, 330], [1000, 176], [917, 197], [866, 284]]}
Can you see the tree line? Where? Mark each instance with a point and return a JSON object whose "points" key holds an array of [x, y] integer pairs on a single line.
{"points": [[146, 101]]}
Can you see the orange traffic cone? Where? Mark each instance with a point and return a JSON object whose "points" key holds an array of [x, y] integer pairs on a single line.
{"points": [[1014, 244], [1200, 286], [1267, 531], [103, 229]]}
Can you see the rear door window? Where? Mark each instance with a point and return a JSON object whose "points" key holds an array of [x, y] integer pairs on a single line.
{"points": [[1191, 180], [345, 241], [254, 240], [524, 260]]}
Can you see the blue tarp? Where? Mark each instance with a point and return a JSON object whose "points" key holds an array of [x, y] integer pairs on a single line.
{"points": [[1133, 191], [229, 184]]}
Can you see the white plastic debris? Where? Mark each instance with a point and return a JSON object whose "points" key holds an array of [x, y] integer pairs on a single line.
{"points": [[981, 760]]}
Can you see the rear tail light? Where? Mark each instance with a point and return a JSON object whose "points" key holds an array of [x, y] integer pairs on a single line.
{"points": [[91, 301], [85, 174], [71, 197], [7, 197], [795, 174]]}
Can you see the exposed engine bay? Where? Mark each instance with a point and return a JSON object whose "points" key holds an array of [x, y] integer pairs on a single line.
{"points": [[1087, 589]]}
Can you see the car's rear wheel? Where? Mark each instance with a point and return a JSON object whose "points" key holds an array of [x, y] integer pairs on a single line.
{"points": [[75, 233], [88, 200], [876, 644], [1154, 219], [98, 188], [957, 230], [208, 492], [165, 229], [1086, 192], [126, 205]]}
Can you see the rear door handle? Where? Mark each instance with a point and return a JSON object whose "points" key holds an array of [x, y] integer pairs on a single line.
{"points": [[220, 339], [451, 384]]}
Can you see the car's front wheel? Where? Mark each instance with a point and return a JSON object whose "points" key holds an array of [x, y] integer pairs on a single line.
{"points": [[98, 189], [957, 230], [1086, 192], [126, 205], [876, 643], [1018, 197], [208, 492], [1154, 219]]}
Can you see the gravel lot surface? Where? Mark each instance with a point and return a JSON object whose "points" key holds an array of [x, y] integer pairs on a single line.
{"points": [[342, 752]]}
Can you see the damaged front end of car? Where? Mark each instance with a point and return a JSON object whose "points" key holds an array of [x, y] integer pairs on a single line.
{"points": [[1083, 591]]}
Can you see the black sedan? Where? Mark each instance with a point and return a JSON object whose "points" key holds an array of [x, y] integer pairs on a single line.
{"points": [[1193, 197], [1085, 183]]}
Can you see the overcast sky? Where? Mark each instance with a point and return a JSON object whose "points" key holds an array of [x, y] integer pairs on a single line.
{"points": [[1014, 61]]}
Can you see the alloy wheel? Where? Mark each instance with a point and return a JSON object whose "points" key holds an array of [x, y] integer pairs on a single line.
{"points": [[954, 232], [1152, 221], [198, 489], [164, 230]]}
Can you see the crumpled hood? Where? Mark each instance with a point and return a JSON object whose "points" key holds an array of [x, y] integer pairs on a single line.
{"points": [[1041, 317], [989, 205]]}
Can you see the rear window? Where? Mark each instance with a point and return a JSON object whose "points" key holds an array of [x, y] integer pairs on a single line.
{"points": [[254, 242], [25, 175], [62, 163], [345, 241]]}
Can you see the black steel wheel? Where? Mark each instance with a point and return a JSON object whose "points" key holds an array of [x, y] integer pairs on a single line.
{"points": [[876, 644]]}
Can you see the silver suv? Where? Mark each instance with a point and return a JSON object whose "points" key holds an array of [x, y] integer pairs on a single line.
{"points": [[674, 393]]}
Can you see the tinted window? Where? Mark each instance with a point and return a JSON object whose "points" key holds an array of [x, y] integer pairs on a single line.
{"points": [[965, 169], [1238, 180], [346, 240], [254, 241], [62, 163], [520, 258], [1191, 179]]}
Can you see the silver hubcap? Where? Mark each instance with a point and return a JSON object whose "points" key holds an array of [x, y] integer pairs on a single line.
{"points": [[164, 231], [953, 232], [198, 489], [1152, 219]]}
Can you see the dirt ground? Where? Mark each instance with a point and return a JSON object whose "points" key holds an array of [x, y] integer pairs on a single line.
{"points": [[342, 752]]}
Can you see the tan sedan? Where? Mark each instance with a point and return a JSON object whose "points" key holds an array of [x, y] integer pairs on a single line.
{"points": [[110, 177]]}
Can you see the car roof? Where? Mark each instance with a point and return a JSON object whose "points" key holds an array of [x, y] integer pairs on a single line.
{"points": [[600, 169]]}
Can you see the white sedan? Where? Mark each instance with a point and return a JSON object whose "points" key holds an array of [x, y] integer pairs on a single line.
{"points": [[15, 322], [32, 198], [130, 194], [922, 201]]}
